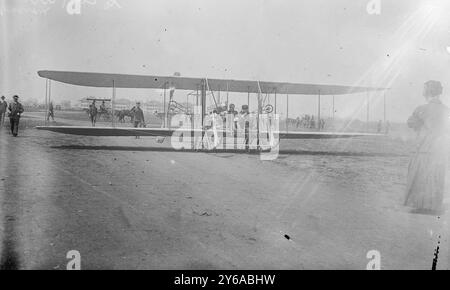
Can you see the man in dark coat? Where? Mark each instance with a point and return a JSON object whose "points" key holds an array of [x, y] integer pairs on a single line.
{"points": [[93, 113], [15, 111], [138, 116]]}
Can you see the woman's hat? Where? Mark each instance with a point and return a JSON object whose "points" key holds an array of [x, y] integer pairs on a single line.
{"points": [[433, 88]]}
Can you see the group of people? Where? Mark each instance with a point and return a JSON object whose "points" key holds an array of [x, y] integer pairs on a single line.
{"points": [[309, 122], [136, 112], [228, 117], [225, 111], [94, 112], [14, 111]]}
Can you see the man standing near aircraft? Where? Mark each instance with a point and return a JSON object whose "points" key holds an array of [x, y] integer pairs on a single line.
{"points": [[93, 113], [51, 112], [15, 111], [232, 121], [138, 116], [312, 123], [3, 107], [379, 126], [245, 116]]}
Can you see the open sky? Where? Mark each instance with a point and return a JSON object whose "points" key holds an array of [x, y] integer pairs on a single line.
{"points": [[312, 41]]}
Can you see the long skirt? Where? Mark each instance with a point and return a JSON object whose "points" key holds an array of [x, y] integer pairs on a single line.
{"points": [[426, 180]]}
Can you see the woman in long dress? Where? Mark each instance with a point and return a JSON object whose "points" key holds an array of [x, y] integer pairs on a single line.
{"points": [[426, 172]]}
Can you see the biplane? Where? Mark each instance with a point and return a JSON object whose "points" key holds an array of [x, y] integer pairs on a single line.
{"points": [[199, 88]]}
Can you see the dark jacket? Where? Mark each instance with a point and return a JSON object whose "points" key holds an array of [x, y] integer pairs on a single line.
{"points": [[3, 106], [15, 110], [138, 114], [92, 110]]}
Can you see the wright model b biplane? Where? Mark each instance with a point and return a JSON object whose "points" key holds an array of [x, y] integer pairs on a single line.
{"points": [[266, 113]]}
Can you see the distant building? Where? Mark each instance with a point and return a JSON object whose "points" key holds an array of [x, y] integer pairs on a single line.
{"points": [[120, 104], [32, 103], [65, 105], [152, 106], [83, 104]]}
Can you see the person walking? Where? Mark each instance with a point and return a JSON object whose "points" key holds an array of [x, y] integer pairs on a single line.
{"points": [[93, 113], [138, 117], [426, 172], [387, 128], [15, 111], [379, 126], [3, 108], [51, 112], [245, 117]]}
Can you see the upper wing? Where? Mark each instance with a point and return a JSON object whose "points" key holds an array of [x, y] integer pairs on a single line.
{"points": [[183, 83], [116, 132]]}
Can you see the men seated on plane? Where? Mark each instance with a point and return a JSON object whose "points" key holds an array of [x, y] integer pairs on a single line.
{"points": [[208, 121], [216, 119], [244, 117], [232, 110], [222, 108], [233, 123], [212, 122], [222, 111], [244, 110]]}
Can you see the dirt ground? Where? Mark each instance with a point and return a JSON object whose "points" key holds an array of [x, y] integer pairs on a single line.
{"points": [[124, 203]]}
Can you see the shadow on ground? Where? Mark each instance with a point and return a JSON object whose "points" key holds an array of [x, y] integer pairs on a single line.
{"points": [[253, 152]]}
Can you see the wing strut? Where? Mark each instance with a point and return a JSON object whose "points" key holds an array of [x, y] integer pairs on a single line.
{"points": [[113, 102], [212, 93], [46, 96], [368, 111], [164, 105], [287, 113], [257, 115], [47, 102], [318, 112]]}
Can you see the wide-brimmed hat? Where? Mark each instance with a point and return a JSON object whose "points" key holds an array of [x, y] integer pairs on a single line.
{"points": [[15, 97]]}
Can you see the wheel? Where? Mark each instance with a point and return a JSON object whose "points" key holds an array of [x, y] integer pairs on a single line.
{"points": [[268, 109]]}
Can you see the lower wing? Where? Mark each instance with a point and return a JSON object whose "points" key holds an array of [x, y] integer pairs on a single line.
{"points": [[165, 132]]}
